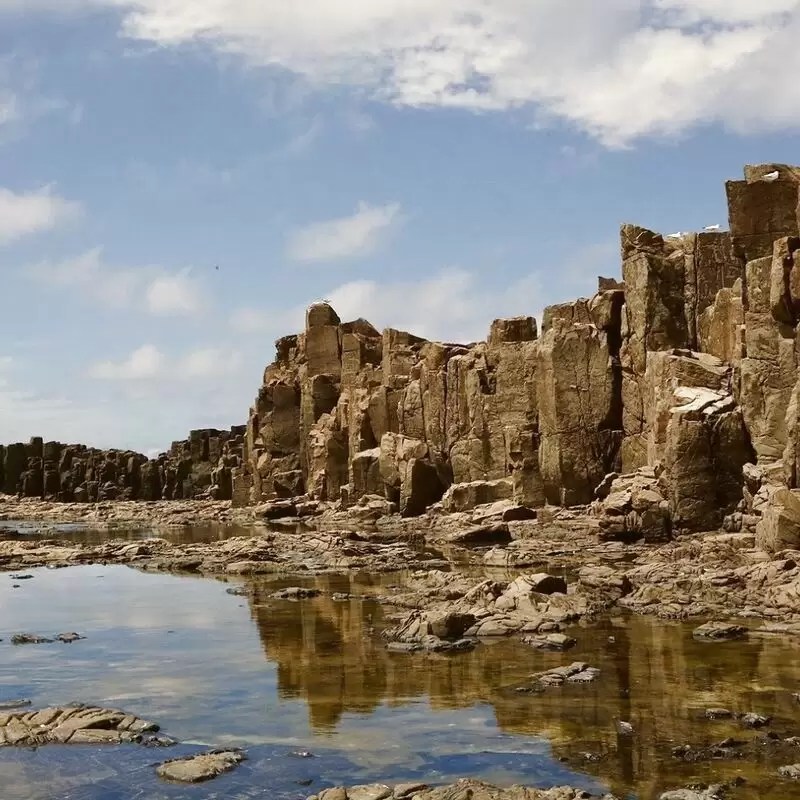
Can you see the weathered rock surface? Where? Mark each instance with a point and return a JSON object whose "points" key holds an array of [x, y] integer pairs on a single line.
{"points": [[465, 788], [199, 768], [76, 724], [673, 380], [270, 552]]}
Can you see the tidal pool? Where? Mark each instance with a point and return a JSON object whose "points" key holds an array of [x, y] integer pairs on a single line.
{"points": [[282, 677]]}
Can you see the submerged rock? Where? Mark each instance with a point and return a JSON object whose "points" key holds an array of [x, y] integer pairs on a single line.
{"points": [[577, 672], [8, 704], [29, 638], [552, 641], [790, 771], [68, 638], [753, 720], [296, 593], [202, 767], [719, 632]]}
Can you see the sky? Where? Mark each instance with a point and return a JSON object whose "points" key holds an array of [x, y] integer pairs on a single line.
{"points": [[179, 179]]}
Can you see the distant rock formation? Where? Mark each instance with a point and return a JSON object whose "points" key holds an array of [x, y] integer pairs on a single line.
{"points": [[200, 466], [668, 399]]}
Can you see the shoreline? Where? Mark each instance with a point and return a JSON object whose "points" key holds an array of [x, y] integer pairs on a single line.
{"points": [[715, 575]]}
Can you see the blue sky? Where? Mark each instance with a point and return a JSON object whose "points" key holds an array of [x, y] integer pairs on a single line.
{"points": [[429, 166]]}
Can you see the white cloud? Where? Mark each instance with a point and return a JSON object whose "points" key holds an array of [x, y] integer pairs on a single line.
{"points": [[618, 69], [146, 288], [345, 237], [177, 294], [453, 304], [32, 212], [149, 363], [145, 363]]}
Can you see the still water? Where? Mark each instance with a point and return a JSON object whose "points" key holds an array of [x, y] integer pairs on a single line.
{"points": [[280, 677]]}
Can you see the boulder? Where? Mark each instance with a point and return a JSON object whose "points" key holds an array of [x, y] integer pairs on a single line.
{"points": [[779, 527]]}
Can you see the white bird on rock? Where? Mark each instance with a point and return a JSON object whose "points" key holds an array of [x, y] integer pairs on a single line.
{"points": [[771, 176], [676, 235], [711, 228]]}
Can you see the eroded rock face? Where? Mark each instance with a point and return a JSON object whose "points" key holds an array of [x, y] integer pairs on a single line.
{"points": [[686, 367]]}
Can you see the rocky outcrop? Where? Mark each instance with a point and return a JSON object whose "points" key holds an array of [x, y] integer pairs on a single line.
{"points": [[75, 724], [669, 400], [464, 788], [200, 466]]}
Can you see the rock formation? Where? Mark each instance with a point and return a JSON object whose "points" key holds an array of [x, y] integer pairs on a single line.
{"points": [[670, 399], [200, 466]]}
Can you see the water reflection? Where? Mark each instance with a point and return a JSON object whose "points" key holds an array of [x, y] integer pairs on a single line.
{"points": [[80, 534], [188, 654], [654, 675]]}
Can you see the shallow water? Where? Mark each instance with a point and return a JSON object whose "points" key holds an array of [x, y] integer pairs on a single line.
{"points": [[276, 676], [80, 534]]}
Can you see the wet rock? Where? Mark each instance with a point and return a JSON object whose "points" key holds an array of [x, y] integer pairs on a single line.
{"points": [[752, 720], [70, 637], [791, 771], [727, 749], [718, 713], [296, 593], [623, 728], [577, 672], [552, 641], [157, 740], [461, 790], [21, 577], [710, 793], [8, 704], [202, 767], [719, 632], [75, 724], [29, 638]]}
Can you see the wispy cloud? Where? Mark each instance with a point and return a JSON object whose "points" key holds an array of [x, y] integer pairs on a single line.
{"points": [[149, 289], [346, 237], [149, 363]]}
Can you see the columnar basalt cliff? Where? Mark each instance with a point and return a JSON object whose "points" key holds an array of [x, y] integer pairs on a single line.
{"points": [[200, 466], [669, 399]]}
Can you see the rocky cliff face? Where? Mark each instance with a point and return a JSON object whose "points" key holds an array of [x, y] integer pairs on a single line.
{"points": [[200, 466], [668, 399]]}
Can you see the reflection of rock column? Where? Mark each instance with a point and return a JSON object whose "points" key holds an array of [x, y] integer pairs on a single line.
{"points": [[623, 676], [653, 674]]}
